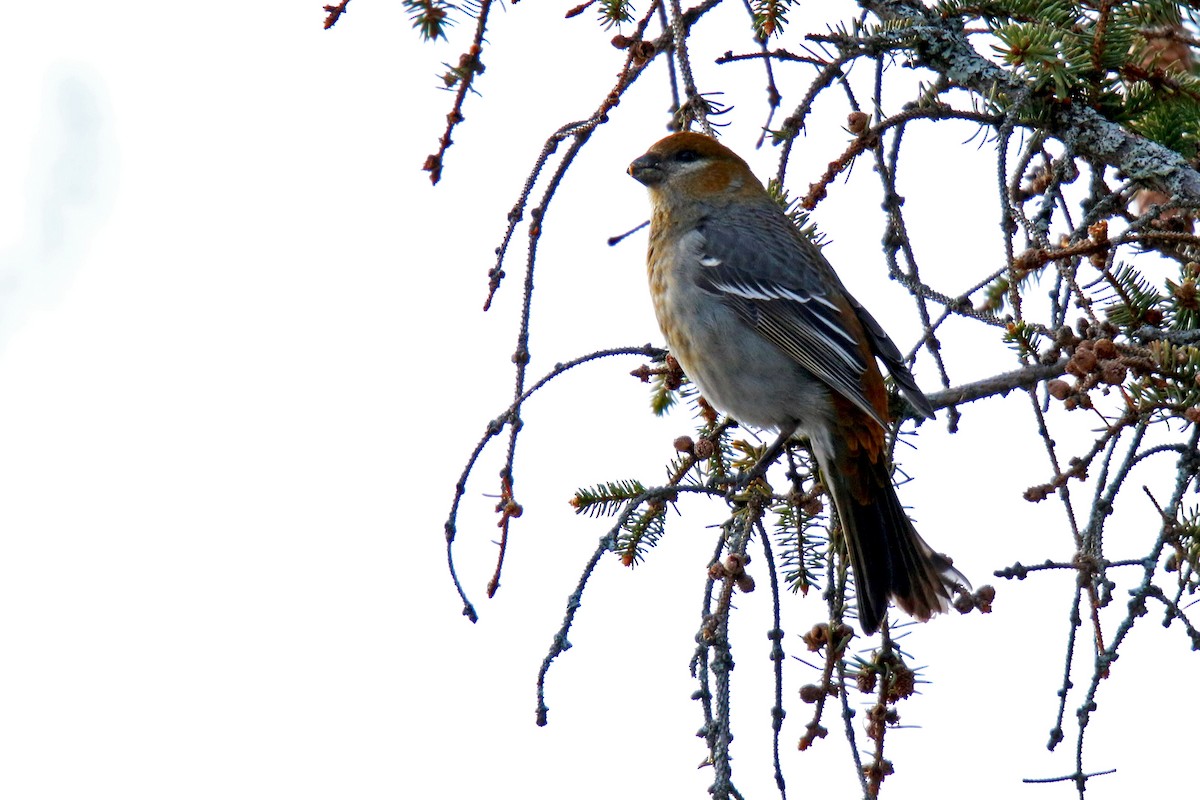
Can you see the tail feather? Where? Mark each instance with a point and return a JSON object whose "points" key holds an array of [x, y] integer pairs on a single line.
{"points": [[889, 557]]}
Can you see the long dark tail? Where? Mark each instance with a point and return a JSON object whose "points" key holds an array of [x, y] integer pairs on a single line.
{"points": [[889, 557]]}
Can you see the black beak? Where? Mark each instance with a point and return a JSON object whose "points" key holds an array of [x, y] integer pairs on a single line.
{"points": [[647, 170]]}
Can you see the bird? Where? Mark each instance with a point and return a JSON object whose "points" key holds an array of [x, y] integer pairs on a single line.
{"points": [[756, 317]]}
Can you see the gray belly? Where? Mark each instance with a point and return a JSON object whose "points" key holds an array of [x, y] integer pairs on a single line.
{"points": [[744, 375]]}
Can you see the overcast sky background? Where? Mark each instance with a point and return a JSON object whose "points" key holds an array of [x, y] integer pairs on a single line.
{"points": [[242, 361]]}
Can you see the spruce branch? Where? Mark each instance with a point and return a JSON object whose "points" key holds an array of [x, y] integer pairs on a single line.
{"points": [[941, 44]]}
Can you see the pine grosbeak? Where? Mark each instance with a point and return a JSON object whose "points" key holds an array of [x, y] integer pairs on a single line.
{"points": [[758, 320]]}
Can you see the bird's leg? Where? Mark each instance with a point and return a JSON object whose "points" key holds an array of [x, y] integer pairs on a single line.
{"points": [[768, 457]]}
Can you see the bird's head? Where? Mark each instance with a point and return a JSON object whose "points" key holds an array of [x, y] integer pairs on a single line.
{"points": [[691, 166]]}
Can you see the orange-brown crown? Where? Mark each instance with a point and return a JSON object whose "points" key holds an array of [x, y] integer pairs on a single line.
{"points": [[692, 166]]}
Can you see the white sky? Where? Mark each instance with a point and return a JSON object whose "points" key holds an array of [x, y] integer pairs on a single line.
{"points": [[242, 362]]}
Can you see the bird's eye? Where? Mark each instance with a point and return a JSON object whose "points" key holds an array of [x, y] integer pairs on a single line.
{"points": [[687, 156]]}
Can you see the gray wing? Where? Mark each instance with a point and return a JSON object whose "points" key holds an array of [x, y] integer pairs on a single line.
{"points": [[780, 285], [887, 351]]}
